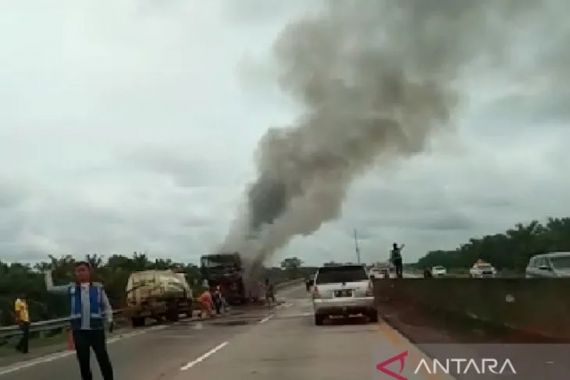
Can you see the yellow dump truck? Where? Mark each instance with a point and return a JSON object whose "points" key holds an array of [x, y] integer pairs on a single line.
{"points": [[157, 294]]}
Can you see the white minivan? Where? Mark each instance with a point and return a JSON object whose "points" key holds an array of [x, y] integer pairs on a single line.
{"points": [[549, 265], [343, 290]]}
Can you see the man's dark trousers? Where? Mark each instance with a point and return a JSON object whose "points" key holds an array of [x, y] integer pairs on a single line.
{"points": [[25, 338], [399, 267], [85, 340]]}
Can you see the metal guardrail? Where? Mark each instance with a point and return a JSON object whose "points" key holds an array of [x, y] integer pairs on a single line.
{"points": [[48, 325]]}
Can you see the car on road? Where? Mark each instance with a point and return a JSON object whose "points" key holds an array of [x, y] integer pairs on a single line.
{"points": [[549, 265], [482, 269], [380, 272], [438, 271], [343, 290]]}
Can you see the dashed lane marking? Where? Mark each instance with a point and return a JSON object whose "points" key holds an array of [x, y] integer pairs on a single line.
{"points": [[204, 357], [265, 319]]}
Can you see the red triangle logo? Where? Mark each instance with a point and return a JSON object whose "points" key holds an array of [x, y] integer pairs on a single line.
{"points": [[383, 366]]}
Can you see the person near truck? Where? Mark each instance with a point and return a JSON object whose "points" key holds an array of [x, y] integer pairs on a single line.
{"points": [[396, 258], [89, 309], [22, 316], [269, 293], [217, 298], [206, 303]]}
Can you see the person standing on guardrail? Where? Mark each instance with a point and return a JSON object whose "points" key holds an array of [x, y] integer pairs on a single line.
{"points": [[89, 308], [396, 257], [23, 320]]}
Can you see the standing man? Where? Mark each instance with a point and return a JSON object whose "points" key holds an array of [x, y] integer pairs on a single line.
{"points": [[217, 299], [269, 293], [23, 320], [396, 257], [89, 307]]}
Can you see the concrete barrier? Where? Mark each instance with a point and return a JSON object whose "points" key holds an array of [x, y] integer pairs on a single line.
{"points": [[537, 306]]}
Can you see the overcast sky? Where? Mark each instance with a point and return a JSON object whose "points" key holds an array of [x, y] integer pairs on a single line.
{"points": [[132, 125]]}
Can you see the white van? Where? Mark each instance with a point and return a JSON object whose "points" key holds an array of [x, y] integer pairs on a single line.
{"points": [[549, 265]]}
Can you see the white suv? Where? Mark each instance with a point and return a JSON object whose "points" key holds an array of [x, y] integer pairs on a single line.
{"points": [[549, 265], [343, 290]]}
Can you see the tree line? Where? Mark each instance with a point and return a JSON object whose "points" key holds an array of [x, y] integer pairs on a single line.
{"points": [[510, 250]]}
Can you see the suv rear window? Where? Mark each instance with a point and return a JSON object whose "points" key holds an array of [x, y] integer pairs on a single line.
{"points": [[329, 275], [560, 262]]}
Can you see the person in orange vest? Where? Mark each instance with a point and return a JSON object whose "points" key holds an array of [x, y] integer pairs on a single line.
{"points": [[23, 320], [206, 304]]}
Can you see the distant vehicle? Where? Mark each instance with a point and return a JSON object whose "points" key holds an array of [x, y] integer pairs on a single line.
{"points": [[157, 294], [438, 271], [549, 265], [225, 270], [343, 290], [482, 269], [376, 273], [381, 270]]}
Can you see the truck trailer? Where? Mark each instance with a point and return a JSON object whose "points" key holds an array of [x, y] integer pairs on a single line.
{"points": [[157, 294]]}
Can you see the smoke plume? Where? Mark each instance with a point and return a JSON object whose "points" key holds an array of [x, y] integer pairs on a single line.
{"points": [[376, 80]]}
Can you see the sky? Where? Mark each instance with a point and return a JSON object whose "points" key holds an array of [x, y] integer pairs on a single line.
{"points": [[132, 125]]}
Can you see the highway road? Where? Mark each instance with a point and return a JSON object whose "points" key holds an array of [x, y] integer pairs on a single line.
{"points": [[258, 343]]}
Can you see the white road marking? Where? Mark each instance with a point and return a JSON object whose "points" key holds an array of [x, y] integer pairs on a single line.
{"points": [[61, 355], [266, 319], [204, 357], [34, 362]]}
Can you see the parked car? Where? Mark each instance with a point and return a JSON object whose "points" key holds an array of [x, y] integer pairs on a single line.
{"points": [[343, 290], [438, 271], [482, 269], [549, 265]]}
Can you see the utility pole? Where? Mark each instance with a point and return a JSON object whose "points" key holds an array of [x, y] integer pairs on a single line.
{"points": [[356, 247]]}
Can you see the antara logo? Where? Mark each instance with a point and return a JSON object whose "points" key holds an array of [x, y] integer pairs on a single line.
{"points": [[450, 366], [462, 366]]}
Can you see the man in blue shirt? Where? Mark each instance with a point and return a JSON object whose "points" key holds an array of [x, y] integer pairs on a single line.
{"points": [[89, 309]]}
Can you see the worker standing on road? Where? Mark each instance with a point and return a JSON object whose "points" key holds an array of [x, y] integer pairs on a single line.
{"points": [[217, 298], [206, 303], [396, 257], [89, 306], [23, 320], [269, 293]]}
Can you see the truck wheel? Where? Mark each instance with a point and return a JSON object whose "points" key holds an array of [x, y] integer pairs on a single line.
{"points": [[373, 316], [319, 319], [137, 321], [172, 315]]}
